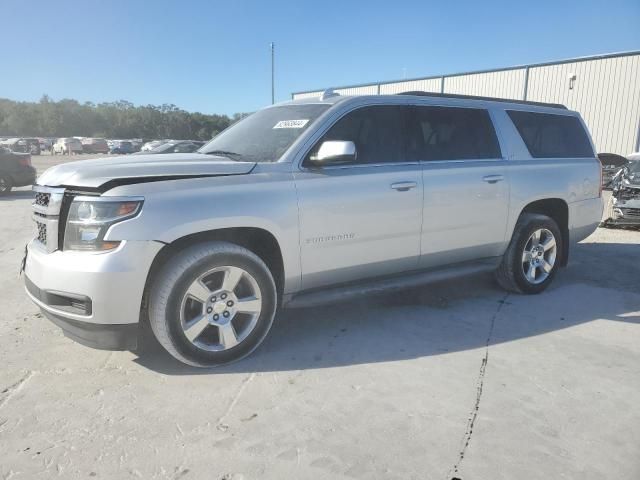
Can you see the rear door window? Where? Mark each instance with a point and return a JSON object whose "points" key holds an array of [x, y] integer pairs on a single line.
{"points": [[451, 133], [548, 135]]}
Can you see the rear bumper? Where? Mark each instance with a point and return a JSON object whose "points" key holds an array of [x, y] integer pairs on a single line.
{"points": [[584, 218], [95, 150]]}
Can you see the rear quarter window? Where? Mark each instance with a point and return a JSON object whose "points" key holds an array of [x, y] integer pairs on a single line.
{"points": [[549, 135]]}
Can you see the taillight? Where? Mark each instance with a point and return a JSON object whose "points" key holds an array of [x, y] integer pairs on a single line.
{"points": [[25, 161], [600, 189]]}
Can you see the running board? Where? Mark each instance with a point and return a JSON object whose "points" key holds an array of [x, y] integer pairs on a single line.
{"points": [[352, 290]]}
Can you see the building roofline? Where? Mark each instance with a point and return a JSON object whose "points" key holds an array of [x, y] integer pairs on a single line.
{"points": [[489, 70]]}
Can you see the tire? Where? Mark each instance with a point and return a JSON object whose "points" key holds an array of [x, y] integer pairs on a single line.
{"points": [[199, 327], [524, 255], [5, 185]]}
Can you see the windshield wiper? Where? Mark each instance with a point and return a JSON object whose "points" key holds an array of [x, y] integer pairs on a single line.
{"points": [[224, 153]]}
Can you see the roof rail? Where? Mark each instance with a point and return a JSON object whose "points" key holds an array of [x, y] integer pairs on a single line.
{"points": [[489, 99]]}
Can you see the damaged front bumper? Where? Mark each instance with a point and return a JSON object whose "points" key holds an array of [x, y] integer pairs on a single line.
{"points": [[624, 207]]}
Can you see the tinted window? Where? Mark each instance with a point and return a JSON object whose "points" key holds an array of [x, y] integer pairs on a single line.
{"points": [[548, 136], [376, 131], [446, 133]]}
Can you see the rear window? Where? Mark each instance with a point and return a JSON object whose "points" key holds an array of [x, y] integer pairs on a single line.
{"points": [[552, 136]]}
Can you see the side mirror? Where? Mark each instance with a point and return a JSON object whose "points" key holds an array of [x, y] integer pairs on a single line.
{"points": [[333, 152]]}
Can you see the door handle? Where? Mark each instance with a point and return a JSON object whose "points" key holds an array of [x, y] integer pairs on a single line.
{"points": [[403, 186], [493, 178]]}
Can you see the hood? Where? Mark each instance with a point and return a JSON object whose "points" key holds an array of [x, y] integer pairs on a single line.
{"points": [[96, 174], [631, 178]]}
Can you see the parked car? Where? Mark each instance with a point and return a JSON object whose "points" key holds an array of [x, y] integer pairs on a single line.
{"points": [[45, 144], [611, 165], [18, 145], [67, 146], [306, 202], [95, 145], [624, 209], [136, 144], [33, 146], [15, 170], [153, 144], [26, 145], [121, 147], [176, 146]]}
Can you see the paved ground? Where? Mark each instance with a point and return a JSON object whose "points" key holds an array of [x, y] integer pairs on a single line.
{"points": [[458, 380]]}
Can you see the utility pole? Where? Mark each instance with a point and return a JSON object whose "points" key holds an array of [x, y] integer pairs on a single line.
{"points": [[273, 88]]}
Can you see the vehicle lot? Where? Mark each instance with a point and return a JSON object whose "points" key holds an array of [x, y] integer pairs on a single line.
{"points": [[455, 380]]}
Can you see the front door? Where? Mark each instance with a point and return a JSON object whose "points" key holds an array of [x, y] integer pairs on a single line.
{"points": [[361, 219]]}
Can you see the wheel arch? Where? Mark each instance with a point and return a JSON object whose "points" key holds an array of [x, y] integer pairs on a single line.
{"points": [[558, 210], [258, 240]]}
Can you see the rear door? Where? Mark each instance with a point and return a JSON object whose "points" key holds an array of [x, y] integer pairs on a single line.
{"points": [[466, 192], [361, 219]]}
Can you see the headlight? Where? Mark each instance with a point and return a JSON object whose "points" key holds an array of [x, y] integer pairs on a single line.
{"points": [[90, 217]]}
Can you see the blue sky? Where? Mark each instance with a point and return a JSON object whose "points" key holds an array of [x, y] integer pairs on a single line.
{"points": [[213, 56]]}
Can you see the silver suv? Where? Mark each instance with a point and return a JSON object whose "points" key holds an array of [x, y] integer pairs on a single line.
{"points": [[303, 202]]}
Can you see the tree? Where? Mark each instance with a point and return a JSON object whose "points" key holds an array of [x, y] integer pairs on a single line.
{"points": [[119, 119]]}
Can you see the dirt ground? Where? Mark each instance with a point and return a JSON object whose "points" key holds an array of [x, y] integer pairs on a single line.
{"points": [[455, 380]]}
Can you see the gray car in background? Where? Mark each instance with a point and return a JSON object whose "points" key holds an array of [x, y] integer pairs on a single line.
{"points": [[309, 202]]}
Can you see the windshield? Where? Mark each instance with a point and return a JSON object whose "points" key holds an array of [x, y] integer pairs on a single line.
{"points": [[265, 135]]}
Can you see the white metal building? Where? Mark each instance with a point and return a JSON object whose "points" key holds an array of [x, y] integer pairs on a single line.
{"points": [[605, 89]]}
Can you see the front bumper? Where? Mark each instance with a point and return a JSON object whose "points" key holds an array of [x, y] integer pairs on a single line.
{"points": [[94, 297], [101, 337], [625, 216]]}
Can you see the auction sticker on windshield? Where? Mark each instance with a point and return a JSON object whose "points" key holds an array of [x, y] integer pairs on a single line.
{"points": [[291, 123]]}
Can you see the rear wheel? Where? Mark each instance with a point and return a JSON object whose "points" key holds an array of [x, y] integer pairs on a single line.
{"points": [[212, 304], [5, 185], [533, 256]]}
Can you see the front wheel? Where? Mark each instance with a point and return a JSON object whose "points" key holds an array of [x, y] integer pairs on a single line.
{"points": [[212, 304], [533, 256]]}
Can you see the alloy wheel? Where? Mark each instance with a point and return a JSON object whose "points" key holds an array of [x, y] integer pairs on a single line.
{"points": [[539, 256], [220, 308]]}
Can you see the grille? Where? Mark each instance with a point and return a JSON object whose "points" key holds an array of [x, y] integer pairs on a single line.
{"points": [[630, 212], [629, 194], [42, 232], [42, 199], [47, 205]]}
